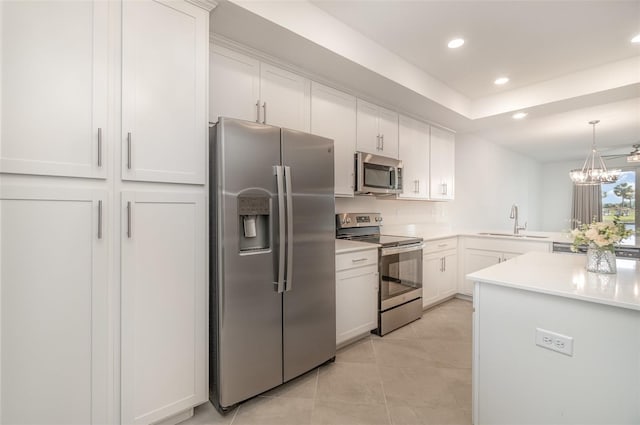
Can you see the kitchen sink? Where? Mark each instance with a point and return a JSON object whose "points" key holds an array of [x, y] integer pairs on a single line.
{"points": [[512, 235]]}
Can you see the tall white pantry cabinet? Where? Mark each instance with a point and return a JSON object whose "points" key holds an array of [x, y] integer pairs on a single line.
{"points": [[103, 271]]}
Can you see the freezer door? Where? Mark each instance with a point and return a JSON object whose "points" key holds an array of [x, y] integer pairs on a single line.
{"points": [[309, 319], [246, 310]]}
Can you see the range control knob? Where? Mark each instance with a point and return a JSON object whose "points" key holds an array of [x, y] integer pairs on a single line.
{"points": [[348, 220]]}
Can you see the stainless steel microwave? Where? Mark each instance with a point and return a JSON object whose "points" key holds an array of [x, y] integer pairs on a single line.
{"points": [[377, 175]]}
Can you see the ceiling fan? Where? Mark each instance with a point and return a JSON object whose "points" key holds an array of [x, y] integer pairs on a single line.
{"points": [[632, 157]]}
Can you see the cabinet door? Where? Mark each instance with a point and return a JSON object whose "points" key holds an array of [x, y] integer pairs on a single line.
{"points": [[368, 134], [414, 152], [474, 260], [164, 74], [234, 85], [54, 300], [449, 282], [54, 88], [432, 275], [285, 98], [442, 164], [388, 127], [164, 305], [356, 302], [334, 116]]}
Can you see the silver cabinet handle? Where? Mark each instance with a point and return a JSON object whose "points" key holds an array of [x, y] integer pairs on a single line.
{"points": [[264, 116], [129, 150], [99, 147], [258, 111], [358, 260], [281, 229], [416, 186], [444, 188], [100, 219], [129, 219], [289, 278], [382, 142], [378, 142], [444, 264], [442, 245]]}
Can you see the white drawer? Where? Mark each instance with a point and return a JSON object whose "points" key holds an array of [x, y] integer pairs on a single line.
{"points": [[349, 260], [439, 245]]}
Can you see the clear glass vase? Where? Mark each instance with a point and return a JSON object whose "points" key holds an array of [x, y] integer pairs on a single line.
{"points": [[601, 260]]}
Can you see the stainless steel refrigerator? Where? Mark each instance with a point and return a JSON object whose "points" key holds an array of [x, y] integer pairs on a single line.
{"points": [[272, 252]]}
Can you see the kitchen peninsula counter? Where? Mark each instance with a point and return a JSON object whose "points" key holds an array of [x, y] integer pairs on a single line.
{"points": [[520, 378], [564, 275]]}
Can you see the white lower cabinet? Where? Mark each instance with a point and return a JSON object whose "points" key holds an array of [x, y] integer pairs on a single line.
{"points": [[54, 335], [480, 253], [356, 294], [439, 271], [164, 305]]}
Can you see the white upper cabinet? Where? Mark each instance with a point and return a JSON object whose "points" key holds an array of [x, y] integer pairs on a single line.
{"points": [[54, 88], [414, 153], [164, 81], [377, 130], [54, 336], [388, 126], [234, 83], [442, 164], [334, 116], [244, 88], [285, 98]]}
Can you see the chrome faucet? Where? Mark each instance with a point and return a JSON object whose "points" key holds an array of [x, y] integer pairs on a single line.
{"points": [[514, 216]]}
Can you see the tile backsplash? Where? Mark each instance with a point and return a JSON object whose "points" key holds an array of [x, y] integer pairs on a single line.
{"points": [[402, 217]]}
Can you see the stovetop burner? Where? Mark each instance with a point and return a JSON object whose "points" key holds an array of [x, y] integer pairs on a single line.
{"points": [[365, 227]]}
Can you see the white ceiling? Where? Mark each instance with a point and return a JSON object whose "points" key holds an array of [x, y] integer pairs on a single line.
{"points": [[569, 48], [527, 41]]}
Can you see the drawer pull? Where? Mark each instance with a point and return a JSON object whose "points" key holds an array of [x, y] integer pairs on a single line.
{"points": [[442, 245], [357, 260]]}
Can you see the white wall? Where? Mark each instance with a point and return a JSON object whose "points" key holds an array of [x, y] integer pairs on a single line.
{"points": [[489, 179], [556, 195]]}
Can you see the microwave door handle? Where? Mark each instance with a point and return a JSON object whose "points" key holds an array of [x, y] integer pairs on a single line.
{"points": [[396, 176]]}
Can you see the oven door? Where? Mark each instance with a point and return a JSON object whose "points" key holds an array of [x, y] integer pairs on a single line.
{"points": [[400, 275]]}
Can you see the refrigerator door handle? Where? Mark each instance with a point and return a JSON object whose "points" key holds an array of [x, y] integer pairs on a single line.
{"points": [[281, 228], [289, 277]]}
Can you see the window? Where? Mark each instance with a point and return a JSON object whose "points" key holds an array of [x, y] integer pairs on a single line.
{"points": [[619, 199]]}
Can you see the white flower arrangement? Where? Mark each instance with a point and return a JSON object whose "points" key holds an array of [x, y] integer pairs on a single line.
{"points": [[603, 235]]}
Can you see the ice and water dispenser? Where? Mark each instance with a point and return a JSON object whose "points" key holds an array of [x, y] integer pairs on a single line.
{"points": [[254, 212]]}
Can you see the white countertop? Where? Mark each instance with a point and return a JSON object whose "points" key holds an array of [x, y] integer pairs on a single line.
{"points": [[352, 246], [565, 275]]}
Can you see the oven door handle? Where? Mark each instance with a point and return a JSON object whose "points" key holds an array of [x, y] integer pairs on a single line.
{"points": [[401, 249]]}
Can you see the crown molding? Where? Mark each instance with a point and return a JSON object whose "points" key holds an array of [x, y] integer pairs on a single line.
{"points": [[207, 5]]}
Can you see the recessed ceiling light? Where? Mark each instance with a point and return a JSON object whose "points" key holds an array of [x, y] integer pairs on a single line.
{"points": [[519, 115], [455, 43], [636, 39], [500, 81]]}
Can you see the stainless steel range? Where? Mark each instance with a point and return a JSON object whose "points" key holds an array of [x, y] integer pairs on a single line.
{"points": [[400, 267]]}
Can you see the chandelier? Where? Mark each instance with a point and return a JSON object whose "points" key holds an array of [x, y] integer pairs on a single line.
{"points": [[593, 170]]}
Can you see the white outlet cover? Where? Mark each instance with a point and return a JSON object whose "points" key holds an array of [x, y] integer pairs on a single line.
{"points": [[554, 341]]}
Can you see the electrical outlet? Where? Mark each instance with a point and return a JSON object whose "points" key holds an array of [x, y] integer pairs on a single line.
{"points": [[554, 341]]}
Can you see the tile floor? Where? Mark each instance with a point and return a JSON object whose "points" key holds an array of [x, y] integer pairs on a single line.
{"points": [[417, 375]]}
